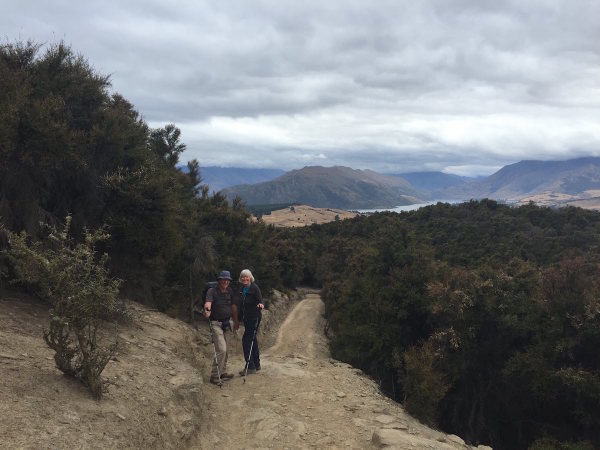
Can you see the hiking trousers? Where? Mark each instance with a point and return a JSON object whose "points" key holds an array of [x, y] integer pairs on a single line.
{"points": [[221, 342], [248, 342]]}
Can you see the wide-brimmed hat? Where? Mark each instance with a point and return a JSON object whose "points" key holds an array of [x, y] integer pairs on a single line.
{"points": [[224, 275]]}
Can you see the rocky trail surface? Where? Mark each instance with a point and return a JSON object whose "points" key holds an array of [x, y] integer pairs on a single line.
{"points": [[303, 399]]}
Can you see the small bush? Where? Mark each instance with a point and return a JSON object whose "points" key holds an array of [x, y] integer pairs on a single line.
{"points": [[76, 282]]}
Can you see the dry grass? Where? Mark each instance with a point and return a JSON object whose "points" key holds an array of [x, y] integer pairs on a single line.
{"points": [[587, 200], [303, 215]]}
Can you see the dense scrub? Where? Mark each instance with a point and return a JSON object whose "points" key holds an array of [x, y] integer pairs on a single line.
{"points": [[482, 319]]}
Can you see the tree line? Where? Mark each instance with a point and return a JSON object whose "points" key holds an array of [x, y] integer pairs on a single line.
{"points": [[483, 320]]}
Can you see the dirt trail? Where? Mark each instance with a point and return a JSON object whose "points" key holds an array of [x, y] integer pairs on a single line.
{"points": [[303, 399]]}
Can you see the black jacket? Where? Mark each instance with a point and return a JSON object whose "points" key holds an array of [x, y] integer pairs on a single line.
{"points": [[249, 302]]}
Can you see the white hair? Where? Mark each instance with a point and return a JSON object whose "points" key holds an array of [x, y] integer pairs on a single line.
{"points": [[246, 272]]}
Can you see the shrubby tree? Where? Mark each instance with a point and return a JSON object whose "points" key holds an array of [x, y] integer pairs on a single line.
{"points": [[165, 143]]}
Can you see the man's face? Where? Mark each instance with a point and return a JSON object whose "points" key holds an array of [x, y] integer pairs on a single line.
{"points": [[223, 283]]}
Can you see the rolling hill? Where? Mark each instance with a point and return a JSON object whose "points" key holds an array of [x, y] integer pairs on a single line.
{"points": [[330, 187], [551, 183]]}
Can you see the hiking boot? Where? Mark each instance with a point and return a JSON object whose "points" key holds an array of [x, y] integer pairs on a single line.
{"points": [[226, 376], [215, 380], [243, 372]]}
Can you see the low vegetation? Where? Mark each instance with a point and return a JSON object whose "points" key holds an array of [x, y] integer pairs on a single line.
{"points": [[260, 210]]}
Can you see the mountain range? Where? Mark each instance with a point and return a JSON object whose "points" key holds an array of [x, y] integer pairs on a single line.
{"points": [[219, 178], [547, 182], [526, 178]]}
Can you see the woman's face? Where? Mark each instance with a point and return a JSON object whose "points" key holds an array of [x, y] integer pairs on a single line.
{"points": [[245, 279]]}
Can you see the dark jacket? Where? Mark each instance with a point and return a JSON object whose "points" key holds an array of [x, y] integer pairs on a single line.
{"points": [[249, 302]]}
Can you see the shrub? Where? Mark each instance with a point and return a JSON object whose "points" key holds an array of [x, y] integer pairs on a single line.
{"points": [[76, 282]]}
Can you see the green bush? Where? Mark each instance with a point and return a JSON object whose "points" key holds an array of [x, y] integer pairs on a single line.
{"points": [[76, 282]]}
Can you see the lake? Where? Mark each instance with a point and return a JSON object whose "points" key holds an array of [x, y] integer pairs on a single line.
{"points": [[408, 207]]}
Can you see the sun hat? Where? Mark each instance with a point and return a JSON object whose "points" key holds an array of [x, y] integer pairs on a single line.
{"points": [[224, 275]]}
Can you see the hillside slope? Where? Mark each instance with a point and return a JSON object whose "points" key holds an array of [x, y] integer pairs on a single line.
{"points": [[433, 182], [155, 397], [330, 187], [302, 215]]}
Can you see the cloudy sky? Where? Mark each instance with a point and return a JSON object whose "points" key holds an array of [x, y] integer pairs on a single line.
{"points": [[459, 86]]}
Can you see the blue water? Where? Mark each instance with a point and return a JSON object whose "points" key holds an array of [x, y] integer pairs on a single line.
{"points": [[408, 207]]}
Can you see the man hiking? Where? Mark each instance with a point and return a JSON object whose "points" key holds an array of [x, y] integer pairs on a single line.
{"points": [[219, 308]]}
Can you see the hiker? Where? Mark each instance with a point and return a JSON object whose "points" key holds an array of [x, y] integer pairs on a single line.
{"points": [[219, 308], [251, 308]]}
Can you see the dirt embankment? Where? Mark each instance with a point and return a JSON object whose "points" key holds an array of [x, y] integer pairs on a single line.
{"points": [[155, 396], [158, 397]]}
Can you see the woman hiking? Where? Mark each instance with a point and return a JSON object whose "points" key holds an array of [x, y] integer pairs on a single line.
{"points": [[251, 308]]}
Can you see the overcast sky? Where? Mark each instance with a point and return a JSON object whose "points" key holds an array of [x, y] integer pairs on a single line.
{"points": [[463, 87]]}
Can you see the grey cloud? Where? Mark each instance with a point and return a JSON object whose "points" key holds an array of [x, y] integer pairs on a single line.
{"points": [[431, 83]]}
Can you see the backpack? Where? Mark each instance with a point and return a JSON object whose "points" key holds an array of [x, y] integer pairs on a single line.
{"points": [[207, 286], [198, 306]]}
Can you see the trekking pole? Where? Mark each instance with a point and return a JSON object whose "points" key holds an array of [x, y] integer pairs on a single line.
{"points": [[250, 353], [212, 338]]}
